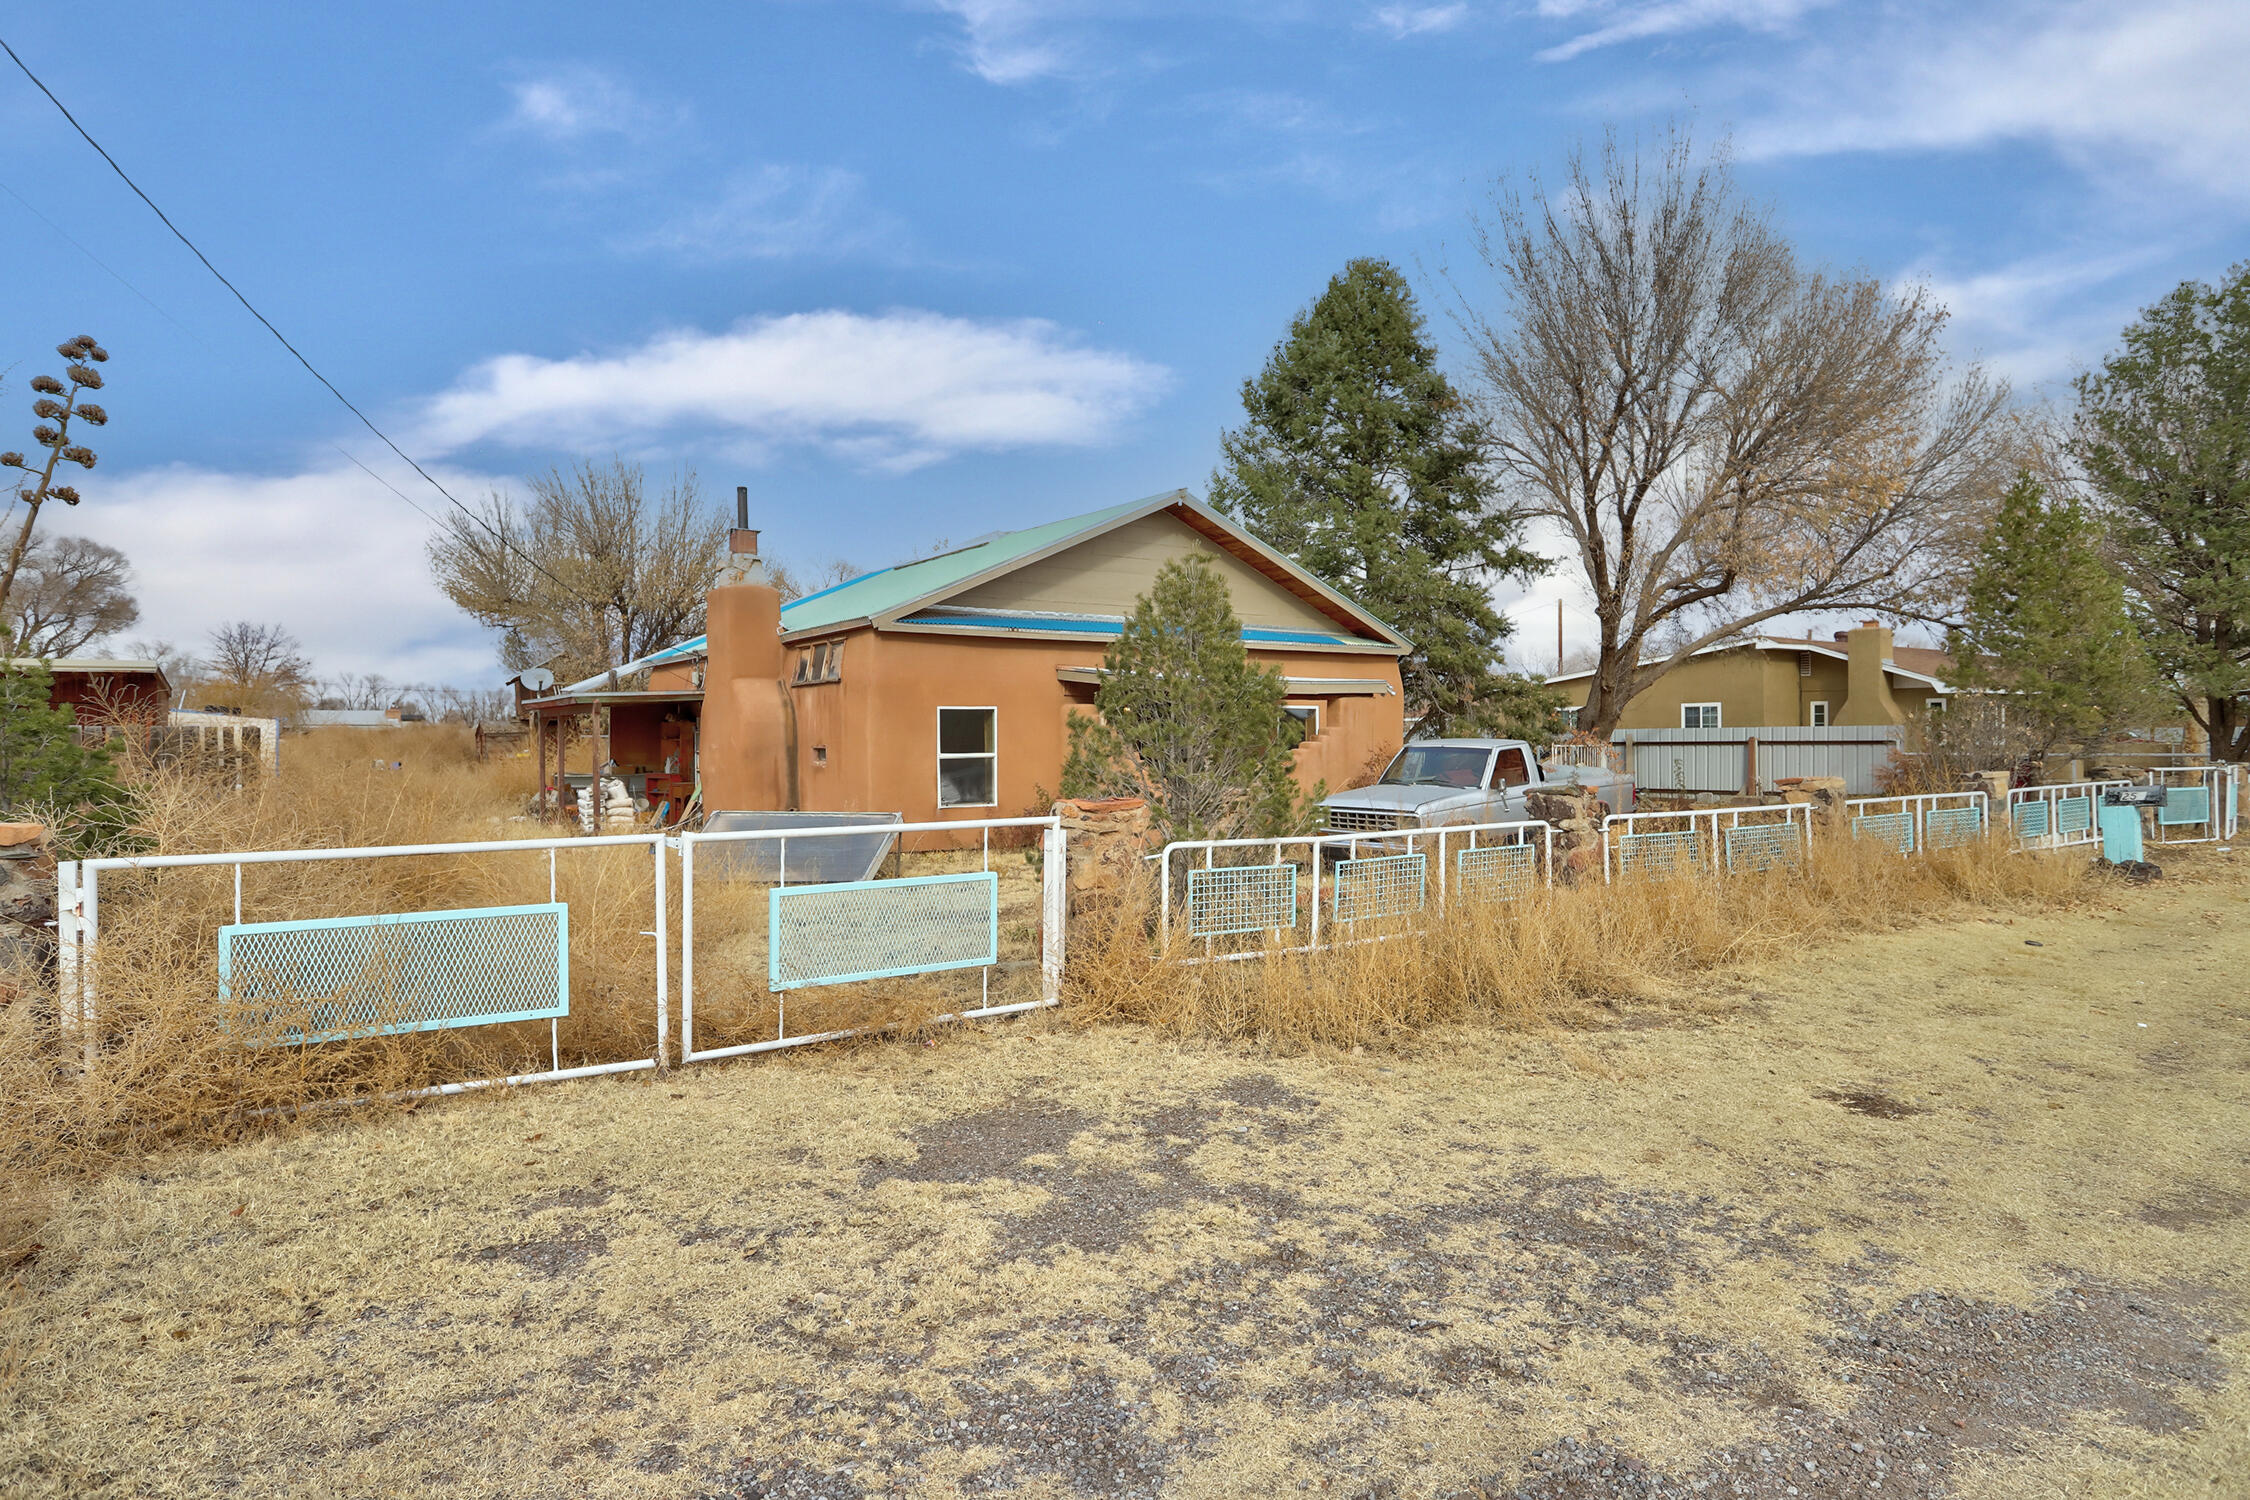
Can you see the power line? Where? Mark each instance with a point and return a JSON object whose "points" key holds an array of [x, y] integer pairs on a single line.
{"points": [[295, 353]]}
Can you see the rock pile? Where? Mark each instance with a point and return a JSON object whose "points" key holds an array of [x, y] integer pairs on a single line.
{"points": [[1826, 795], [1576, 813]]}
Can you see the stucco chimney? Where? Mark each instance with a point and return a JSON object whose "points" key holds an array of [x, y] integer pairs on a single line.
{"points": [[1867, 689], [749, 726]]}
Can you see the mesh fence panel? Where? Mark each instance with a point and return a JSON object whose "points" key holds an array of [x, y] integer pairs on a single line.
{"points": [[1501, 872], [415, 971], [2185, 804], [2030, 819], [1895, 829], [879, 929], [2074, 814], [1660, 856], [1390, 885], [1765, 846], [1951, 827], [1251, 898]]}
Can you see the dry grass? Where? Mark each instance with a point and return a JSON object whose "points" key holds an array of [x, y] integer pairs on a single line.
{"points": [[1552, 958], [1045, 1259]]}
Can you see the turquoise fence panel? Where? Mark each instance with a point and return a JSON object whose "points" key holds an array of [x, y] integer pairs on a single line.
{"points": [[881, 929], [1895, 829], [2030, 819], [2185, 804], [411, 971], [1660, 856], [1951, 827], [1390, 885], [1498, 872], [1250, 898], [2073, 814], [1765, 846]]}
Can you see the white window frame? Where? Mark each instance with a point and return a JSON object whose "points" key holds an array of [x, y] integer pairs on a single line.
{"points": [[1298, 710], [1934, 705], [1717, 718], [1818, 714], [943, 755]]}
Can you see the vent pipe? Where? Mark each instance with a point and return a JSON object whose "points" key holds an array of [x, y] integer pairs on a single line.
{"points": [[742, 541]]}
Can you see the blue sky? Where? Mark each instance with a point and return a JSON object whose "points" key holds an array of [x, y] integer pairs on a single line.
{"points": [[915, 271]]}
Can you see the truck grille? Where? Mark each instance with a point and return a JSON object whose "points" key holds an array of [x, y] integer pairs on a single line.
{"points": [[1344, 820]]}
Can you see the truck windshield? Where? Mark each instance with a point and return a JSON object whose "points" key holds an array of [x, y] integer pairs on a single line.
{"points": [[1437, 765]]}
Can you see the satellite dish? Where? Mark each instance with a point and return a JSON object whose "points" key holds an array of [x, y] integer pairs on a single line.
{"points": [[537, 680]]}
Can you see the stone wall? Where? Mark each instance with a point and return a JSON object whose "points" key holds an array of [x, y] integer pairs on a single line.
{"points": [[1107, 840], [27, 907]]}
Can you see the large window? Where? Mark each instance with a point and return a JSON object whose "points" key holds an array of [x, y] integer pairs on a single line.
{"points": [[1699, 716], [968, 746]]}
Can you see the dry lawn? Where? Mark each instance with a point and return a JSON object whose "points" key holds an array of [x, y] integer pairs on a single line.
{"points": [[1955, 1210]]}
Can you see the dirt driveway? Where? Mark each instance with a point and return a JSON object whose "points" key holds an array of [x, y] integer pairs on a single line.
{"points": [[1957, 1211]]}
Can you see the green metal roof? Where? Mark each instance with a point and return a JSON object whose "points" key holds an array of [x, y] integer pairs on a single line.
{"points": [[878, 593]]}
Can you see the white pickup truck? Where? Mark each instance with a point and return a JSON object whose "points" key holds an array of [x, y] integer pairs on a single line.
{"points": [[1436, 783]]}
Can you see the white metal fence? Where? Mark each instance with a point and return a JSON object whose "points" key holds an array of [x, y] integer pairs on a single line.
{"points": [[1244, 898], [2060, 816], [1705, 841], [825, 933], [2202, 804], [333, 977], [1932, 820]]}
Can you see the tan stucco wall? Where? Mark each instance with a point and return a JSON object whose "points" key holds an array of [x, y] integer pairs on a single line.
{"points": [[879, 723]]}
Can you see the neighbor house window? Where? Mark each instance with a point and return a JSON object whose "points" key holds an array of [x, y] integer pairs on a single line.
{"points": [[1816, 713], [1936, 705], [1302, 720], [1699, 716], [968, 745], [1569, 717]]}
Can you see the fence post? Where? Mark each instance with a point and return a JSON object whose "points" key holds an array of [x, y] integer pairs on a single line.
{"points": [[663, 962], [68, 995], [1054, 908]]}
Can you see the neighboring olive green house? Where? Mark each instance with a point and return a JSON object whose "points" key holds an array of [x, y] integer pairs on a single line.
{"points": [[1856, 677]]}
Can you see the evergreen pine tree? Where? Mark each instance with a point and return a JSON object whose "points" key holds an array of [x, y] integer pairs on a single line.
{"points": [[2046, 625], [1361, 461], [1187, 721]]}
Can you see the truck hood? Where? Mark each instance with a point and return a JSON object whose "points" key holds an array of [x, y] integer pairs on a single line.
{"points": [[1401, 799]]}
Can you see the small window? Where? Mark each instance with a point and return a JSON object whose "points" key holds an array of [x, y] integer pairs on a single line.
{"points": [[968, 757], [1937, 705], [821, 662], [820, 755], [1510, 769], [1299, 722], [1816, 713], [1699, 716], [1568, 717]]}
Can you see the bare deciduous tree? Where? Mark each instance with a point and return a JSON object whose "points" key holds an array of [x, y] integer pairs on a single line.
{"points": [[70, 592], [1723, 434], [257, 666], [589, 571]]}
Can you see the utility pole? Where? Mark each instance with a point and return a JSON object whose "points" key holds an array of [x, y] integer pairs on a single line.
{"points": [[1558, 637]]}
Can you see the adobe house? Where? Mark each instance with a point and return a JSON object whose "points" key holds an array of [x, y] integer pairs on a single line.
{"points": [[941, 688], [1858, 676]]}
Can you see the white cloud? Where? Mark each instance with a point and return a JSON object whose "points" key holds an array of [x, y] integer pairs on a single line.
{"points": [[895, 390], [329, 554], [1403, 21], [1638, 20], [774, 212], [1014, 41], [2116, 88], [2043, 318], [577, 103]]}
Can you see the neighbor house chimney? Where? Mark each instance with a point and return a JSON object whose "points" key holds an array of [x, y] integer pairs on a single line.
{"points": [[1867, 687]]}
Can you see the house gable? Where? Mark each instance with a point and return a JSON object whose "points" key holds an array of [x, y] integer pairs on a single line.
{"points": [[1107, 573]]}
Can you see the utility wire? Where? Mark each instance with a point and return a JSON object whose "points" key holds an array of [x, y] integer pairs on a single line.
{"points": [[123, 177]]}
